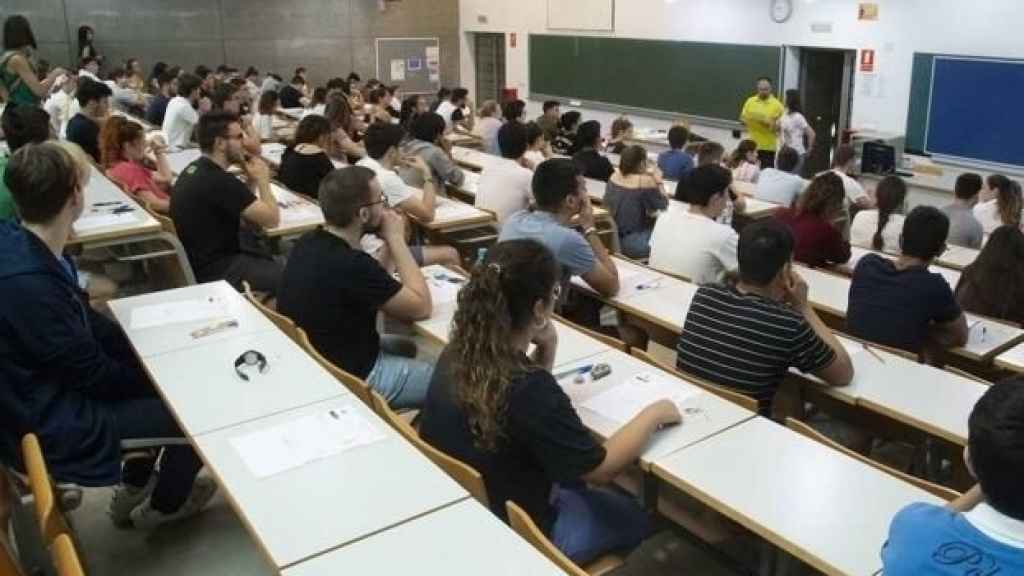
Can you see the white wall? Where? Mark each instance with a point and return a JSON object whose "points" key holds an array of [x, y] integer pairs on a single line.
{"points": [[971, 27]]}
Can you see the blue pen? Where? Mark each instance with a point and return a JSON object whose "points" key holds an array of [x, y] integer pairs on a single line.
{"points": [[575, 371]]}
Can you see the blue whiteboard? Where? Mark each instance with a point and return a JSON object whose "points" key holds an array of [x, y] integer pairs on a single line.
{"points": [[974, 110]]}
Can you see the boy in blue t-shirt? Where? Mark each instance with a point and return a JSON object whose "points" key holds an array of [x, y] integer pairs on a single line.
{"points": [[675, 163], [982, 532]]}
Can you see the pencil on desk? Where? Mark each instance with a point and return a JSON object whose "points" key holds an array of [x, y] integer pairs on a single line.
{"points": [[873, 353]]}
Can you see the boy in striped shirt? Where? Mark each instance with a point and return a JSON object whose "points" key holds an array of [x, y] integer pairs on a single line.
{"points": [[746, 335]]}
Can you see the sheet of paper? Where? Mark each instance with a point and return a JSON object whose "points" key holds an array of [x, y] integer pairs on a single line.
{"points": [[398, 70], [302, 213], [177, 313], [622, 403], [104, 220], [471, 182], [444, 286], [450, 210], [304, 440]]}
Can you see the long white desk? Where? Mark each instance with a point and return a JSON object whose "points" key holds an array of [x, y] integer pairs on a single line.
{"points": [[1012, 359], [332, 501], [957, 257], [463, 539], [298, 214], [99, 225], [825, 508], [951, 275]]}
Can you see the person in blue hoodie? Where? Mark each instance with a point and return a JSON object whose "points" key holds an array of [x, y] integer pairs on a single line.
{"points": [[67, 373], [982, 532]]}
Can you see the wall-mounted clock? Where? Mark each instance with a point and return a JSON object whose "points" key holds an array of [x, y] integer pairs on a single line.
{"points": [[781, 10]]}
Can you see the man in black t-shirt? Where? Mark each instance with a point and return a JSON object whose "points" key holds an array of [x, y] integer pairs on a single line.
{"points": [[291, 95], [208, 205], [589, 158], [333, 290], [84, 128]]}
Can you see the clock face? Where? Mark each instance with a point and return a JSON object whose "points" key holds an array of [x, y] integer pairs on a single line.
{"points": [[782, 10]]}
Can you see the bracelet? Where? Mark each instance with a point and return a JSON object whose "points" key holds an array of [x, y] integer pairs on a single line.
{"points": [[589, 231]]}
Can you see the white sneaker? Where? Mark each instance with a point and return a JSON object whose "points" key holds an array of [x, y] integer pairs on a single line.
{"points": [[127, 498], [146, 517]]}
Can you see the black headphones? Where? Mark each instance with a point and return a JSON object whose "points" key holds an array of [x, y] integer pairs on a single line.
{"points": [[247, 359]]}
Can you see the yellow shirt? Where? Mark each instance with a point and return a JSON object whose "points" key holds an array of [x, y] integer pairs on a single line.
{"points": [[756, 114]]}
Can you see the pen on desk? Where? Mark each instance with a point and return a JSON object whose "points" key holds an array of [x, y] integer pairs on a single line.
{"points": [[111, 203], [873, 353], [579, 370], [649, 285]]}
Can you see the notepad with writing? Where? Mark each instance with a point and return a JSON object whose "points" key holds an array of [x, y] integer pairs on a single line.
{"points": [[180, 312], [622, 403]]}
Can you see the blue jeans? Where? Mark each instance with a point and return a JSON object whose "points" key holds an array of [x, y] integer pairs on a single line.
{"points": [[590, 522], [637, 244], [403, 382]]}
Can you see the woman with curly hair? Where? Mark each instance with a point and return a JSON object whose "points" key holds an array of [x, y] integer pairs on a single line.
{"points": [[497, 407], [126, 157]]}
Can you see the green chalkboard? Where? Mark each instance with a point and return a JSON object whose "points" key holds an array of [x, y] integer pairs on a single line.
{"points": [[698, 79], [920, 96]]}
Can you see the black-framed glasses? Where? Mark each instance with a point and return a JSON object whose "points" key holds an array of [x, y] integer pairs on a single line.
{"points": [[383, 200]]}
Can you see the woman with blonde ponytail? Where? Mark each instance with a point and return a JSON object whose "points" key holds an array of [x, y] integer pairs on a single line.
{"points": [[500, 410]]}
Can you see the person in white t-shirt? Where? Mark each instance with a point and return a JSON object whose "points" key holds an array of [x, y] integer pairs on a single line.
{"points": [[538, 149], [880, 228], [687, 240], [844, 164], [487, 127], [1004, 209], [181, 115], [383, 157], [779, 184], [506, 187], [265, 113], [457, 111], [794, 130], [62, 106]]}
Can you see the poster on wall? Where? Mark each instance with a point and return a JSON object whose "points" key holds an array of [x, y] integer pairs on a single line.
{"points": [[433, 54], [398, 70], [414, 64], [868, 11]]}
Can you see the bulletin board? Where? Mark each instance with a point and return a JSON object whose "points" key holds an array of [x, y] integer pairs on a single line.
{"points": [[414, 64]]}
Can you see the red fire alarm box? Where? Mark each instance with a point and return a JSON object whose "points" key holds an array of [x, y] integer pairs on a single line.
{"points": [[509, 94]]}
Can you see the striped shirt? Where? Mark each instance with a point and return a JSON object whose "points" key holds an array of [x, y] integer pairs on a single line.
{"points": [[747, 343]]}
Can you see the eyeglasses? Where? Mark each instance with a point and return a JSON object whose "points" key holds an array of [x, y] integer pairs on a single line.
{"points": [[383, 200]]}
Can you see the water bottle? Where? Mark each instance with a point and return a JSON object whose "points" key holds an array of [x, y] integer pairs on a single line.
{"points": [[481, 256]]}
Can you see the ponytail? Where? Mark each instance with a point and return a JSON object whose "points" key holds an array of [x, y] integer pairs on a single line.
{"points": [[891, 193]]}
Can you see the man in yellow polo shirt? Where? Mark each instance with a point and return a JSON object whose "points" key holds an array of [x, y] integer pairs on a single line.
{"points": [[761, 114]]}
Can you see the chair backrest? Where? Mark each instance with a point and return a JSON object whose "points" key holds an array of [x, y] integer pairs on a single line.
{"points": [[284, 323], [804, 429], [354, 384], [51, 520], [463, 473], [603, 338], [166, 224], [8, 565], [724, 393], [529, 531], [65, 557]]}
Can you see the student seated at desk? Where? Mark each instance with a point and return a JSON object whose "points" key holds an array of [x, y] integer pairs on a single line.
{"points": [[505, 187], [167, 88], [744, 162], [748, 334], [982, 532], [993, 285], [900, 303], [818, 241], [559, 195], [964, 228], [537, 147], [502, 412], [379, 98], [317, 103], [265, 114], [21, 125], [675, 163], [122, 95], [343, 122], [457, 111], [429, 144], [69, 374], [62, 106], [126, 160], [487, 127], [305, 163], [781, 184], [514, 111], [843, 165], [1005, 208], [880, 228], [383, 156], [292, 95], [208, 205], [565, 142], [588, 155], [688, 241], [183, 112], [549, 120], [333, 290], [622, 130], [713, 153], [634, 197], [412, 107], [84, 127]]}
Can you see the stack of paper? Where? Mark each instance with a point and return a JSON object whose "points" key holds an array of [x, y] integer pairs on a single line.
{"points": [[104, 220], [302, 213], [622, 403], [471, 182], [448, 210], [177, 312], [305, 440]]}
